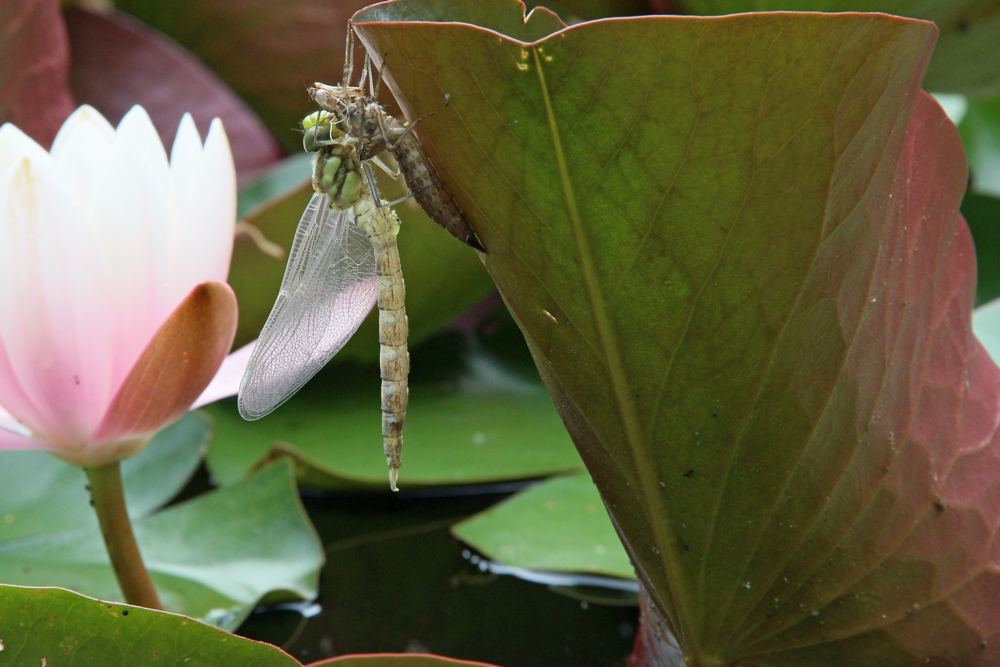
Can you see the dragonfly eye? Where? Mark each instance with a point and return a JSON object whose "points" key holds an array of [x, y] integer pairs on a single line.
{"points": [[309, 139]]}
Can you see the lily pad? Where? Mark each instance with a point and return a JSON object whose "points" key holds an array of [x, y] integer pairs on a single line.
{"points": [[473, 417], [559, 525], [40, 495], [395, 660], [213, 557], [733, 246], [52, 626]]}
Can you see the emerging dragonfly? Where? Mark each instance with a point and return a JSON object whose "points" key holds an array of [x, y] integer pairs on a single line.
{"points": [[359, 115], [330, 284]]}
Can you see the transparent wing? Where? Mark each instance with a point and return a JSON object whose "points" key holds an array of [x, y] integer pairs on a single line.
{"points": [[328, 289]]}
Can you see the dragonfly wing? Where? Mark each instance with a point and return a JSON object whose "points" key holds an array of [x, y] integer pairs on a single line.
{"points": [[328, 288]]}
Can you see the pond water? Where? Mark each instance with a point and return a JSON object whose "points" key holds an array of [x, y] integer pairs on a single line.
{"points": [[397, 581]]}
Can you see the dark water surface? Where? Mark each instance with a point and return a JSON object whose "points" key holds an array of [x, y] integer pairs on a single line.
{"points": [[397, 581]]}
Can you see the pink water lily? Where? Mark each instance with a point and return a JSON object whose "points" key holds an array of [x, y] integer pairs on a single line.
{"points": [[114, 311]]}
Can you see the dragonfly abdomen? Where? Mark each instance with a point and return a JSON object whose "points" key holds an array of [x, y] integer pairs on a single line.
{"points": [[426, 186], [381, 225]]}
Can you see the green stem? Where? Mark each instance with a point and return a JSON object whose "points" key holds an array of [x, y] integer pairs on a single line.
{"points": [[109, 503]]}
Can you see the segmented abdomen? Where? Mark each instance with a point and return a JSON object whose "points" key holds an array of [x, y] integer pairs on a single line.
{"points": [[381, 225]]}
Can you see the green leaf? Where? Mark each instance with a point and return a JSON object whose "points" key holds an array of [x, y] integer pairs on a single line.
{"points": [[983, 215], [980, 129], [733, 247], [443, 276], [559, 524], [394, 661], [213, 557], [40, 495], [965, 56], [473, 417], [51, 626], [986, 324]]}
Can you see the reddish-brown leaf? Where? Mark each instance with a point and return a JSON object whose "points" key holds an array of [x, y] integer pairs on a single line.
{"points": [[118, 63], [34, 68]]}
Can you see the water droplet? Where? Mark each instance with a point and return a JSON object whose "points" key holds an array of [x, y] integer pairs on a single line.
{"points": [[522, 66]]}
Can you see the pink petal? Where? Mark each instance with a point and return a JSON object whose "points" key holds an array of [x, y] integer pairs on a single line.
{"points": [[175, 368], [226, 382], [53, 379]]}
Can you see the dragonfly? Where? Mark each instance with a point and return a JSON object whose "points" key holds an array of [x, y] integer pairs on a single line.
{"points": [[359, 114], [343, 259]]}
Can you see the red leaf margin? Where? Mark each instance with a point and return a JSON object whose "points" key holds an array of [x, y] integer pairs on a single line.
{"points": [[921, 565]]}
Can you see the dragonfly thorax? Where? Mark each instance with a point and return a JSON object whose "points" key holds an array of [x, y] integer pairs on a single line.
{"points": [[337, 173]]}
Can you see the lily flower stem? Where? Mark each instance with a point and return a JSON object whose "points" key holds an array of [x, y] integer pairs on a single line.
{"points": [[116, 527]]}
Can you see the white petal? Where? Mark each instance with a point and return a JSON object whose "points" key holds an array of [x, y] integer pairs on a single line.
{"points": [[207, 222], [54, 344], [80, 150], [14, 145], [134, 213], [184, 158]]}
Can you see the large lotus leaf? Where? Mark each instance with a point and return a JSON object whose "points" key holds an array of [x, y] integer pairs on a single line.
{"points": [[443, 277], [60, 628], [980, 129], [34, 79], [213, 557], [118, 62], [965, 59], [559, 524], [741, 271], [475, 415]]}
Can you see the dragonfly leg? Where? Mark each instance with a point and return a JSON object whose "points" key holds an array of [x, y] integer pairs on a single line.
{"points": [[348, 57], [409, 128]]}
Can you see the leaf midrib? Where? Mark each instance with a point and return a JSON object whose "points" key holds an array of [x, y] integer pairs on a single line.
{"points": [[644, 463]]}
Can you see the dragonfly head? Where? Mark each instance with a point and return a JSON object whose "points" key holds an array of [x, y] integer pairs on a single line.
{"points": [[319, 129]]}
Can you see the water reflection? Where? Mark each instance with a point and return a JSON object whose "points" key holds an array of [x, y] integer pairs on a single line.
{"points": [[397, 581]]}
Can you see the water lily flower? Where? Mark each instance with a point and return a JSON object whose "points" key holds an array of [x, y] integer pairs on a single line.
{"points": [[114, 311]]}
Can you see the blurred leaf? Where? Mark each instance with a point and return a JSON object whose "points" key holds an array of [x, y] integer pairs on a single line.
{"points": [[51, 626], [268, 51], [986, 324], [40, 495], [388, 660], [733, 247], [574, 11], [559, 524], [443, 277], [983, 215], [965, 58], [473, 417], [34, 78], [118, 63], [213, 557], [980, 129]]}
